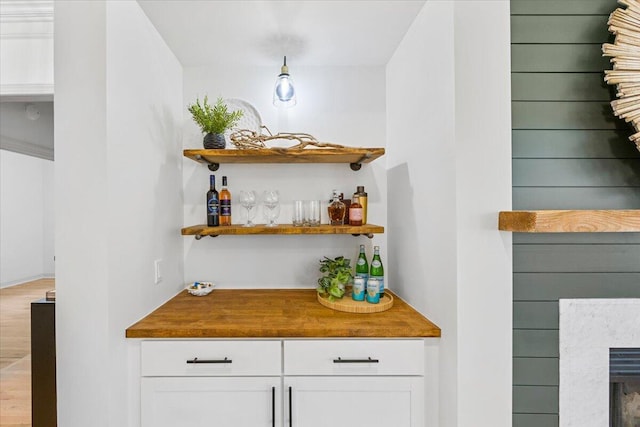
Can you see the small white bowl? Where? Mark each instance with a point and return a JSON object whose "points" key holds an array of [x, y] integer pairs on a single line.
{"points": [[200, 289]]}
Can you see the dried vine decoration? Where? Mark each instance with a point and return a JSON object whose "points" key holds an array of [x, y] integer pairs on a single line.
{"points": [[625, 53], [248, 139]]}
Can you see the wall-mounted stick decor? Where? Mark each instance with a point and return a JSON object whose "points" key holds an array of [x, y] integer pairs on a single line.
{"points": [[248, 139], [625, 57]]}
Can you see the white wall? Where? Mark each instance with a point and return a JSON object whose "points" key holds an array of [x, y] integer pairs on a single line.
{"points": [[483, 181], [421, 176], [451, 262], [118, 174], [26, 48], [26, 218], [344, 105]]}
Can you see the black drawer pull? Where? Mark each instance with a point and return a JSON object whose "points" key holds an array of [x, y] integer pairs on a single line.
{"points": [[273, 407], [369, 360], [196, 360], [290, 407]]}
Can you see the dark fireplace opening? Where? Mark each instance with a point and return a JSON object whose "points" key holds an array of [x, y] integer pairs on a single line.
{"points": [[624, 387]]}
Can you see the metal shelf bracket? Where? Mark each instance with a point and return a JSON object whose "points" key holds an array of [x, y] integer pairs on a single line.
{"points": [[211, 165], [200, 236]]}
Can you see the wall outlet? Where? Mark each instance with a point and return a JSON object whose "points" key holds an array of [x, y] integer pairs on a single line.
{"points": [[157, 265]]}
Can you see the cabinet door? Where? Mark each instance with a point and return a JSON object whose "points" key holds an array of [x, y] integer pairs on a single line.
{"points": [[354, 401], [211, 401]]}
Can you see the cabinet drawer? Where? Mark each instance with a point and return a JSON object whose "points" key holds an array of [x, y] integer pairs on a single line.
{"points": [[354, 357], [210, 358]]}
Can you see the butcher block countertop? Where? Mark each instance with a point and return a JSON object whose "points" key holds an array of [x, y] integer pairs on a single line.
{"points": [[275, 313]]}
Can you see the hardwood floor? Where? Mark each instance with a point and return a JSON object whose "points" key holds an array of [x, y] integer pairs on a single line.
{"points": [[15, 350]]}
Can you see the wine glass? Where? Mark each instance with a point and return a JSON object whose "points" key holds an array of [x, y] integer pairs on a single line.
{"points": [[271, 201], [248, 200]]}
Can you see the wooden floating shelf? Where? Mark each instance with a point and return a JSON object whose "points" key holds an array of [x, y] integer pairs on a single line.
{"points": [[354, 156], [239, 230], [570, 221]]}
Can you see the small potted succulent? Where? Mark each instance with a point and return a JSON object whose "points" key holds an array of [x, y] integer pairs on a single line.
{"points": [[337, 274], [214, 121]]}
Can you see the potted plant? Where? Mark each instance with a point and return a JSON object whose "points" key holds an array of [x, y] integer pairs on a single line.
{"points": [[337, 274], [214, 121]]}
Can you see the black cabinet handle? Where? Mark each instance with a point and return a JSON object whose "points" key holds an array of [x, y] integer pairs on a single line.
{"points": [[196, 360], [369, 360], [290, 411], [273, 407]]}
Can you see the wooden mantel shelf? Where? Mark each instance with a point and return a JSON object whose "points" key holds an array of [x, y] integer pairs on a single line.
{"points": [[570, 221]]}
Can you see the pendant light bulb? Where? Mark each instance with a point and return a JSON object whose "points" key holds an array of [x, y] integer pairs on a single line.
{"points": [[284, 94]]}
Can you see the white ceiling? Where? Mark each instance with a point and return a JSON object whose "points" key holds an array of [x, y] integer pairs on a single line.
{"points": [[309, 32]]}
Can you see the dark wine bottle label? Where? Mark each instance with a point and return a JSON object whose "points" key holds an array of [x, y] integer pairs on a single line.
{"points": [[212, 206]]}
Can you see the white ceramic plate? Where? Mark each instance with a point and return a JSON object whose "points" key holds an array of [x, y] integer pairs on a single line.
{"points": [[200, 289], [250, 119]]}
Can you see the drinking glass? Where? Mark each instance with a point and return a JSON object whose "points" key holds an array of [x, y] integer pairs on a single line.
{"points": [[271, 202], [313, 212], [299, 214], [248, 200]]}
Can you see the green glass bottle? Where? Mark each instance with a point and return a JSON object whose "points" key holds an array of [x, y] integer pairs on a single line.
{"points": [[362, 266], [377, 270]]}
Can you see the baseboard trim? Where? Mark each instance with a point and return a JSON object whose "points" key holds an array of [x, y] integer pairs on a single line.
{"points": [[11, 283]]}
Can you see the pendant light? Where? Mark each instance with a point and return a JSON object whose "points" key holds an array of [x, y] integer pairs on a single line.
{"points": [[284, 94]]}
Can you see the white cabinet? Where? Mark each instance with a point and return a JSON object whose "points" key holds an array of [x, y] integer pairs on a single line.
{"points": [[282, 383], [354, 401], [200, 383], [211, 401], [345, 383]]}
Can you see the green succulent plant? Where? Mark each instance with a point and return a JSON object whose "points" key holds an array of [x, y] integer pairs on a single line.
{"points": [[216, 119], [337, 274]]}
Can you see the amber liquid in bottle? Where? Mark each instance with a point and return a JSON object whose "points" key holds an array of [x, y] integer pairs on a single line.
{"points": [[225, 203], [336, 210], [355, 211]]}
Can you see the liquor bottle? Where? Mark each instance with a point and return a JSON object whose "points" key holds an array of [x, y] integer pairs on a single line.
{"points": [[213, 204], [225, 203], [362, 266], [363, 201], [336, 210], [355, 211], [377, 270], [347, 204]]}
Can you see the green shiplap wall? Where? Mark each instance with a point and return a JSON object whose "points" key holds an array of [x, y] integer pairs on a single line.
{"points": [[569, 152]]}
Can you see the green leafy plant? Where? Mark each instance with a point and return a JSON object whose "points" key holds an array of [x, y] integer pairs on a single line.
{"points": [[214, 119], [337, 273]]}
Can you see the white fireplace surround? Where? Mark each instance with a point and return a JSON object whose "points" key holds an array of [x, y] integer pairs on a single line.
{"points": [[588, 329]]}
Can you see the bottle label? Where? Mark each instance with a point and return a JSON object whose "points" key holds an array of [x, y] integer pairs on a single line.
{"points": [[212, 206], [376, 264], [362, 261], [355, 214], [225, 207]]}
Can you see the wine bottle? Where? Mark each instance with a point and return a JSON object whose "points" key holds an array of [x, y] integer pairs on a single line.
{"points": [[225, 203], [362, 266], [377, 270], [213, 204], [355, 211]]}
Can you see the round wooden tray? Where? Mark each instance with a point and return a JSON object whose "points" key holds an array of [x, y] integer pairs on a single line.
{"points": [[347, 304]]}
